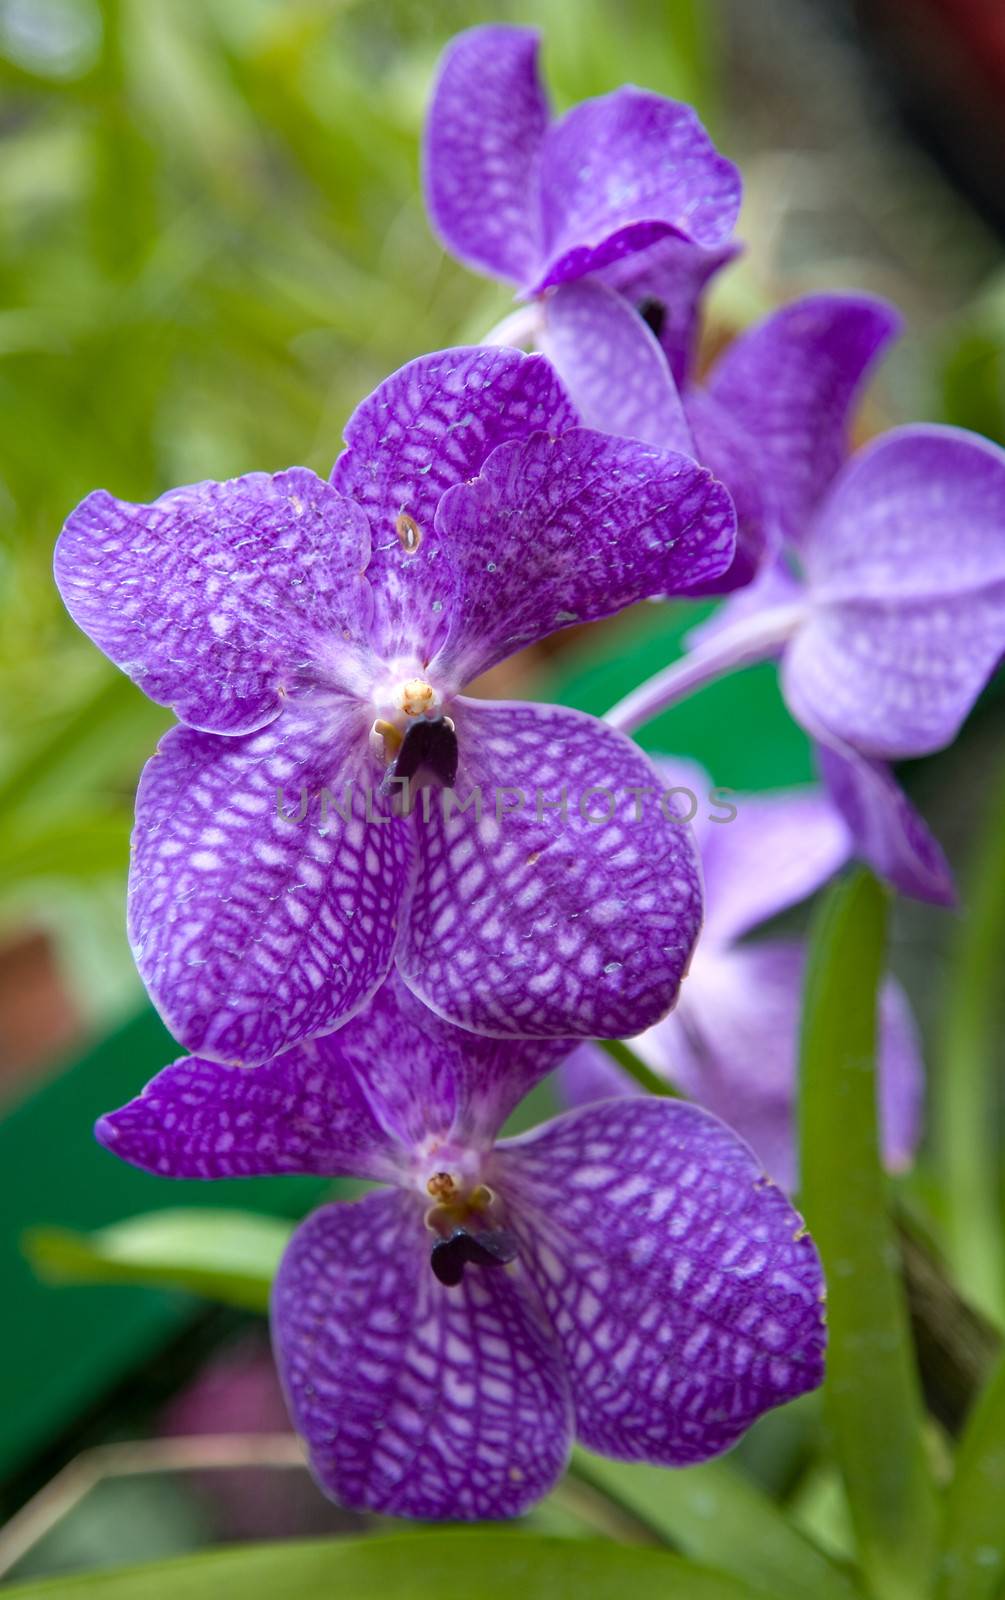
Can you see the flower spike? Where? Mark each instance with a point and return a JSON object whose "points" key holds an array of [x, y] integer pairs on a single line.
{"points": [[315, 639], [624, 1274]]}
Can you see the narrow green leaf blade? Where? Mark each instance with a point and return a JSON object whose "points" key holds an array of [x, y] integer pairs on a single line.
{"points": [[871, 1396], [636, 1068], [229, 1256], [714, 1513], [964, 1086], [973, 1561], [426, 1566]]}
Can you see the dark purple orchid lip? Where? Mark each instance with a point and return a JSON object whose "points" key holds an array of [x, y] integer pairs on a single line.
{"points": [[464, 1247], [428, 748]]}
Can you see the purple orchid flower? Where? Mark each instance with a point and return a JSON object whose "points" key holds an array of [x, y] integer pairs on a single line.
{"points": [[316, 636], [770, 420], [625, 1273], [627, 188], [731, 1043], [507, 200], [886, 606], [879, 583]]}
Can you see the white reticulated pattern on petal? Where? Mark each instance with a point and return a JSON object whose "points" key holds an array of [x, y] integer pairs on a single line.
{"points": [[428, 426], [536, 923], [415, 1399], [252, 928], [684, 1290], [219, 597]]}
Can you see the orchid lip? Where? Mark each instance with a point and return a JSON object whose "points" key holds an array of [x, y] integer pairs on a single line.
{"points": [[411, 736], [464, 1220], [490, 1247], [428, 749]]}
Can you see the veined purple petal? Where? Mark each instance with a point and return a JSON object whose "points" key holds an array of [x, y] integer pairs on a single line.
{"points": [[459, 1086], [486, 121], [253, 929], [730, 454], [613, 366], [906, 572], [430, 425], [218, 598], [414, 1399], [901, 1086], [305, 1111], [773, 588], [589, 1074], [620, 173], [686, 1295], [732, 1046], [541, 925], [790, 383], [340, 1105], [887, 830], [665, 284], [559, 531], [776, 851]]}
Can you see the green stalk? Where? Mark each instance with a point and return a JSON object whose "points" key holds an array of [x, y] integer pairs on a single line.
{"points": [[968, 1069]]}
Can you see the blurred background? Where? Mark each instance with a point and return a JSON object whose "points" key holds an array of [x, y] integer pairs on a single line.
{"points": [[212, 245]]}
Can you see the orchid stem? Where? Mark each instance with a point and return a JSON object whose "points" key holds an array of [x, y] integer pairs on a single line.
{"points": [[749, 641], [519, 328], [636, 1068], [965, 1085]]}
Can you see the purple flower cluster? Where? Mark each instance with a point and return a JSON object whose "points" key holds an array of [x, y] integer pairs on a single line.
{"points": [[730, 1044], [372, 992]]}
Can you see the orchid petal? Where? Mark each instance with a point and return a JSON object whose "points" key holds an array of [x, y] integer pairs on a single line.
{"points": [[487, 118], [777, 850], [304, 1112], [576, 925], [906, 573], [730, 454], [254, 927], [613, 366], [790, 383], [685, 1293], [218, 598], [559, 531], [428, 426], [414, 1399], [887, 830], [732, 1046], [623, 171]]}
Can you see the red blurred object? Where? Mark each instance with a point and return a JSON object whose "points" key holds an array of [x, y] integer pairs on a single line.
{"points": [[38, 1018], [978, 26], [945, 60]]}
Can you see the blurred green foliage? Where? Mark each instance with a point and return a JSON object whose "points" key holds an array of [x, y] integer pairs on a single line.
{"points": [[212, 245], [229, 1256], [871, 1394], [495, 1565]]}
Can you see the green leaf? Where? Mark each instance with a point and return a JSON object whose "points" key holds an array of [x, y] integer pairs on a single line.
{"points": [[425, 1566], [636, 1068], [973, 1562], [715, 1513], [965, 1137], [230, 1256], [871, 1397]]}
